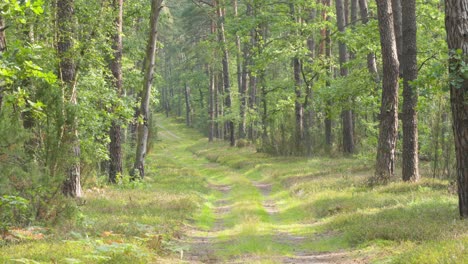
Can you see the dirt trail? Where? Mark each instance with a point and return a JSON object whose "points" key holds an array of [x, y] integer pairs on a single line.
{"points": [[203, 244], [286, 238]]}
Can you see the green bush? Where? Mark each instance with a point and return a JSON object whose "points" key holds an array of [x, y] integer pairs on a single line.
{"points": [[14, 210]]}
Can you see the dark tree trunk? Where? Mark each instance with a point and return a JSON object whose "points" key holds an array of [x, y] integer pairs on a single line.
{"points": [[308, 111], [150, 61], [456, 23], [115, 146], [188, 106], [385, 163], [409, 65], [3, 46], [298, 104], [327, 48], [252, 100], [226, 77], [346, 115], [65, 17], [212, 108]]}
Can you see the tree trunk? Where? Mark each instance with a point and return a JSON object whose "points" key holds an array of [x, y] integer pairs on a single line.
{"points": [[143, 127], [456, 23], [298, 104], [326, 47], [226, 76], [385, 162], [346, 115], [252, 100], [3, 47], [188, 106], [397, 26], [212, 108], [410, 165], [65, 17], [115, 146], [308, 110]]}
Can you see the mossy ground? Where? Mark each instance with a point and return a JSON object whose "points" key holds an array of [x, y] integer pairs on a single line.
{"points": [[311, 206]]}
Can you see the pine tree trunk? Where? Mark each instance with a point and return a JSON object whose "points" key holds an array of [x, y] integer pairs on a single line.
{"points": [[115, 133], [212, 108], [298, 104], [65, 17], [252, 100], [143, 127], [3, 47], [226, 76], [327, 49], [346, 115], [397, 26], [385, 162], [456, 23], [188, 106], [409, 65]]}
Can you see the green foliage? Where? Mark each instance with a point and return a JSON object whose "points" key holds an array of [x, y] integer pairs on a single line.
{"points": [[14, 210]]}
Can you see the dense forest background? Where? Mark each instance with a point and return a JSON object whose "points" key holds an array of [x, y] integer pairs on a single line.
{"points": [[79, 81]]}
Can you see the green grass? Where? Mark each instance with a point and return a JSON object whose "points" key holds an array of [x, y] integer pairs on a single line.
{"points": [[324, 201]]}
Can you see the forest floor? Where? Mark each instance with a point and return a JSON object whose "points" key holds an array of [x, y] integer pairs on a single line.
{"points": [[209, 203]]}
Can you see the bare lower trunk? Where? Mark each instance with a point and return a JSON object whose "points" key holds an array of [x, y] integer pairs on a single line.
{"points": [[143, 126], [3, 47], [327, 48], [346, 115], [212, 108], [385, 163], [226, 76], [410, 162], [115, 146], [71, 186], [188, 106], [456, 23]]}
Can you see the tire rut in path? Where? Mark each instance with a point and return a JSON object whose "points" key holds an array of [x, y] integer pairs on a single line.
{"points": [[285, 238], [203, 244]]}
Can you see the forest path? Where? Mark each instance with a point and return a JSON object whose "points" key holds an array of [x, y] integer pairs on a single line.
{"points": [[242, 218]]}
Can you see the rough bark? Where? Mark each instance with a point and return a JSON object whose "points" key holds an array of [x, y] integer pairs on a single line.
{"points": [[409, 66], [456, 23], [143, 127], [226, 76], [3, 44], [346, 115], [67, 68], [115, 133], [385, 162]]}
